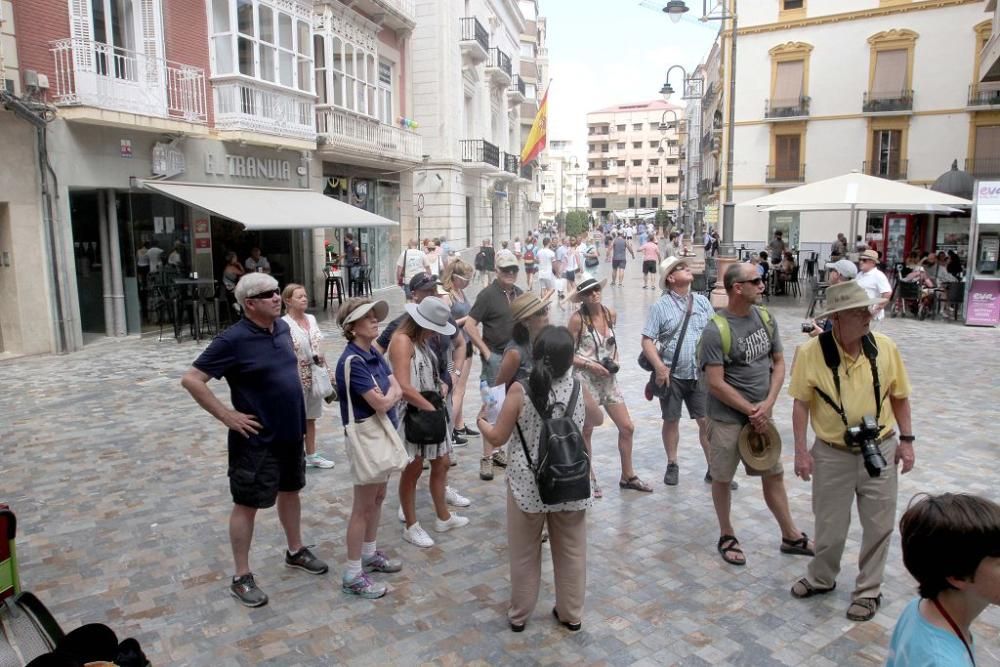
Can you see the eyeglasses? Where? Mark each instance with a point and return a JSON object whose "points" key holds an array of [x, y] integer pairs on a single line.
{"points": [[758, 281], [267, 294]]}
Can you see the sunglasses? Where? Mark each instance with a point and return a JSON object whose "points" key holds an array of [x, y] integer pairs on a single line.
{"points": [[510, 269], [758, 281], [267, 294]]}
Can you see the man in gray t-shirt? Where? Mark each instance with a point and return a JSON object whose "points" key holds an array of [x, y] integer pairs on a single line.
{"points": [[743, 384], [616, 254]]}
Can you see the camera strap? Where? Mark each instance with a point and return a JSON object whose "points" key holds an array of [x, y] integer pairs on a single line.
{"points": [[684, 328], [832, 358]]}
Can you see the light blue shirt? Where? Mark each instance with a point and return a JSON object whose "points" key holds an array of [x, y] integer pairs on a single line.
{"points": [[916, 642], [663, 324]]}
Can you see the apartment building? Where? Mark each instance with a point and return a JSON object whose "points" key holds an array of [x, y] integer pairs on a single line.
{"points": [[564, 180], [465, 55], [705, 141], [531, 84], [890, 88], [633, 157]]}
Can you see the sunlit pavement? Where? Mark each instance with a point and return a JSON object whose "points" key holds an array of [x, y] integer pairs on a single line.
{"points": [[119, 483]]}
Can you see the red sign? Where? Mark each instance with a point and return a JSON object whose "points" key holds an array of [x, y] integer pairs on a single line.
{"points": [[983, 308], [201, 226], [203, 243]]}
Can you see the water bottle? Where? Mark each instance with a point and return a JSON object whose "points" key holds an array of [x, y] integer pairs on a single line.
{"points": [[488, 400]]}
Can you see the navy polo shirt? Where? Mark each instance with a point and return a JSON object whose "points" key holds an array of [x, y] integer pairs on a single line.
{"points": [[262, 371], [365, 372]]}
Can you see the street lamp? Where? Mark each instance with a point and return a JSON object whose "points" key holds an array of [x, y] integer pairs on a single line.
{"points": [[663, 129], [678, 7]]}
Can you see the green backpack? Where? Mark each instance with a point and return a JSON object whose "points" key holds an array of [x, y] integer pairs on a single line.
{"points": [[726, 334]]}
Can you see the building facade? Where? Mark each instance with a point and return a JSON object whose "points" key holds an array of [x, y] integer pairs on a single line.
{"points": [[534, 79], [564, 180], [890, 88], [633, 157]]}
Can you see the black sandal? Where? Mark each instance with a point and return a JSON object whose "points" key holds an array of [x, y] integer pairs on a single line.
{"points": [[635, 484], [569, 626], [808, 590], [799, 547], [728, 544]]}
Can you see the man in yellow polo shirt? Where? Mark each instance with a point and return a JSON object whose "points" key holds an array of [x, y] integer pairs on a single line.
{"points": [[837, 389]]}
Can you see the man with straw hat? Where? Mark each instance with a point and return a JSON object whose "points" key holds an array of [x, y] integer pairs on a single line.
{"points": [[874, 282], [839, 379], [741, 355]]}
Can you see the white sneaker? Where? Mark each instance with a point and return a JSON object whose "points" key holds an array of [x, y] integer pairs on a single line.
{"points": [[317, 461], [454, 498], [454, 521], [417, 536], [402, 517]]}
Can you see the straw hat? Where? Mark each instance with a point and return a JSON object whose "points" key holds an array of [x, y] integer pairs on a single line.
{"points": [[847, 296], [668, 266], [381, 309], [760, 451], [432, 313], [869, 254], [527, 305], [588, 284]]}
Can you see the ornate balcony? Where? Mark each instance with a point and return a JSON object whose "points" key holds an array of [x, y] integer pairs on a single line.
{"points": [[475, 41], [792, 109], [981, 96], [394, 14], [526, 172], [366, 139], [517, 91], [498, 68], [480, 155], [887, 101], [785, 173], [243, 104], [99, 75], [892, 170], [511, 165]]}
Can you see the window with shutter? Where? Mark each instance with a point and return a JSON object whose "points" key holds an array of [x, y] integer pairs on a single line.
{"points": [[890, 74], [788, 84]]}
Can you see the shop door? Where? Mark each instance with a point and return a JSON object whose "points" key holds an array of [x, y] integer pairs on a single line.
{"points": [[87, 260]]}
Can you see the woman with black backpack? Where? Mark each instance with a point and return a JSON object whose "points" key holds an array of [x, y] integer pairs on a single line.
{"points": [[548, 416]]}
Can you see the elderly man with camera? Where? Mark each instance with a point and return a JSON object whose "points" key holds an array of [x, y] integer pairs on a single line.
{"points": [[853, 385]]}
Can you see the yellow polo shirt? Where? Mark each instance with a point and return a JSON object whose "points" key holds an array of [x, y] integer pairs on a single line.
{"points": [[811, 372]]}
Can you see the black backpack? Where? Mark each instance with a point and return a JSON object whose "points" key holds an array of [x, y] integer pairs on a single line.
{"points": [[562, 471], [480, 261]]}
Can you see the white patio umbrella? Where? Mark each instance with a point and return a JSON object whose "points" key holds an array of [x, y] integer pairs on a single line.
{"points": [[859, 192]]}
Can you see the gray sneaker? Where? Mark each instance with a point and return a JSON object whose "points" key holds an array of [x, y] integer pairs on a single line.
{"points": [[363, 586], [379, 562], [673, 472], [305, 560], [245, 590]]}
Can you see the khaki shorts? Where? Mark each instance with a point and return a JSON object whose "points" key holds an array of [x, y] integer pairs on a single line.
{"points": [[724, 453]]}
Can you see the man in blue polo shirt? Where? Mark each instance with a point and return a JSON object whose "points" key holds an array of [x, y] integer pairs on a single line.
{"points": [[266, 425]]}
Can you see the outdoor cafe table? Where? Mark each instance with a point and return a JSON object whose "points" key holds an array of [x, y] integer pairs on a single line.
{"points": [[193, 287]]}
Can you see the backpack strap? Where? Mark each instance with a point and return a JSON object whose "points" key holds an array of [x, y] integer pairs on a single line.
{"points": [[725, 334], [574, 395]]}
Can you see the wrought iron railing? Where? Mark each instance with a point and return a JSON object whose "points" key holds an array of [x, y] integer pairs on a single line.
{"points": [[983, 167], [894, 170], [517, 85], [791, 108], [511, 163], [499, 60], [473, 30], [480, 150], [896, 100], [365, 134], [250, 105], [96, 74], [526, 171], [785, 173], [980, 96]]}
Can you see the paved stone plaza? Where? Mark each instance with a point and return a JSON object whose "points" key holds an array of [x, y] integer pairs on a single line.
{"points": [[119, 483]]}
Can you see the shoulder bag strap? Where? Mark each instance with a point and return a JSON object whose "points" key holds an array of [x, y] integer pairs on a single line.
{"points": [[347, 386], [684, 328], [520, 433]]}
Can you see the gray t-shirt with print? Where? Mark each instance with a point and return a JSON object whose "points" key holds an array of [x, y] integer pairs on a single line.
{"points": [[748, 368]]}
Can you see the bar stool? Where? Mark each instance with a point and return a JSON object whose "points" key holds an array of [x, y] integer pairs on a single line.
{"points": [[333, 282]]}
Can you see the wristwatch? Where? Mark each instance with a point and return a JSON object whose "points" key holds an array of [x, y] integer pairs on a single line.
{"points": [[907, 438]]}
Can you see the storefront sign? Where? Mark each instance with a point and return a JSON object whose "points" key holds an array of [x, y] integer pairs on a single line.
{"points": [[168, 160], [984, 303], [988, 202], [247, 166], [126, 149], [711, 215], [202, 236]]}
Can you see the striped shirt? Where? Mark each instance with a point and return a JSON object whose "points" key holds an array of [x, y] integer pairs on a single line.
{"points": [[663, 326]]}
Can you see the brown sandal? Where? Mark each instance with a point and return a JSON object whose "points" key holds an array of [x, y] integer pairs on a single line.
{"points": [[728, 544], [635, 484], [802, 589]]}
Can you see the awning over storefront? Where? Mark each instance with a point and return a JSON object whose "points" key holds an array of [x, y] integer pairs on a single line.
{"points": [[259, 208]]}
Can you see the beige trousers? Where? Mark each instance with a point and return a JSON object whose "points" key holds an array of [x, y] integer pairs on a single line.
{"points": [[838, 478], [568, 542]]}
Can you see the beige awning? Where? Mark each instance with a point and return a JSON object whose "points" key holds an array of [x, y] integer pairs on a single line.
{"points": [[269, 208]]}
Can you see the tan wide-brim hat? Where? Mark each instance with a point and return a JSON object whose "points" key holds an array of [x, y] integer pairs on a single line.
{"points": [[847, 296], [588, 284], [869, 254], [381, 309], [760, 451], [527, 305], [668, 266]]}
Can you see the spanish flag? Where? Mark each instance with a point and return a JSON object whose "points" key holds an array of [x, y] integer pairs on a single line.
{"points": [[536, 138]]}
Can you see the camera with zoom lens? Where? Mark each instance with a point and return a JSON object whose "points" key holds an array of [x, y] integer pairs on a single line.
{"points": [[609, 364], [865, 437]]}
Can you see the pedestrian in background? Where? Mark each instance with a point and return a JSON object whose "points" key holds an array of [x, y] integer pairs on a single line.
{"points": [[266, 426], [371, 390], [307, 341], [457, 276], [550, 385], [650, 262], [616, 255]]}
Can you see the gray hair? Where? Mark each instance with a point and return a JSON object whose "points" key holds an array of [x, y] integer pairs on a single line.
{"points": [[253, 283]]}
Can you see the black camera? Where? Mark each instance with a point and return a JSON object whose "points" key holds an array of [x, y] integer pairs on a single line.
{"points": [[864, 436], [808, 327], [610, 364]]}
